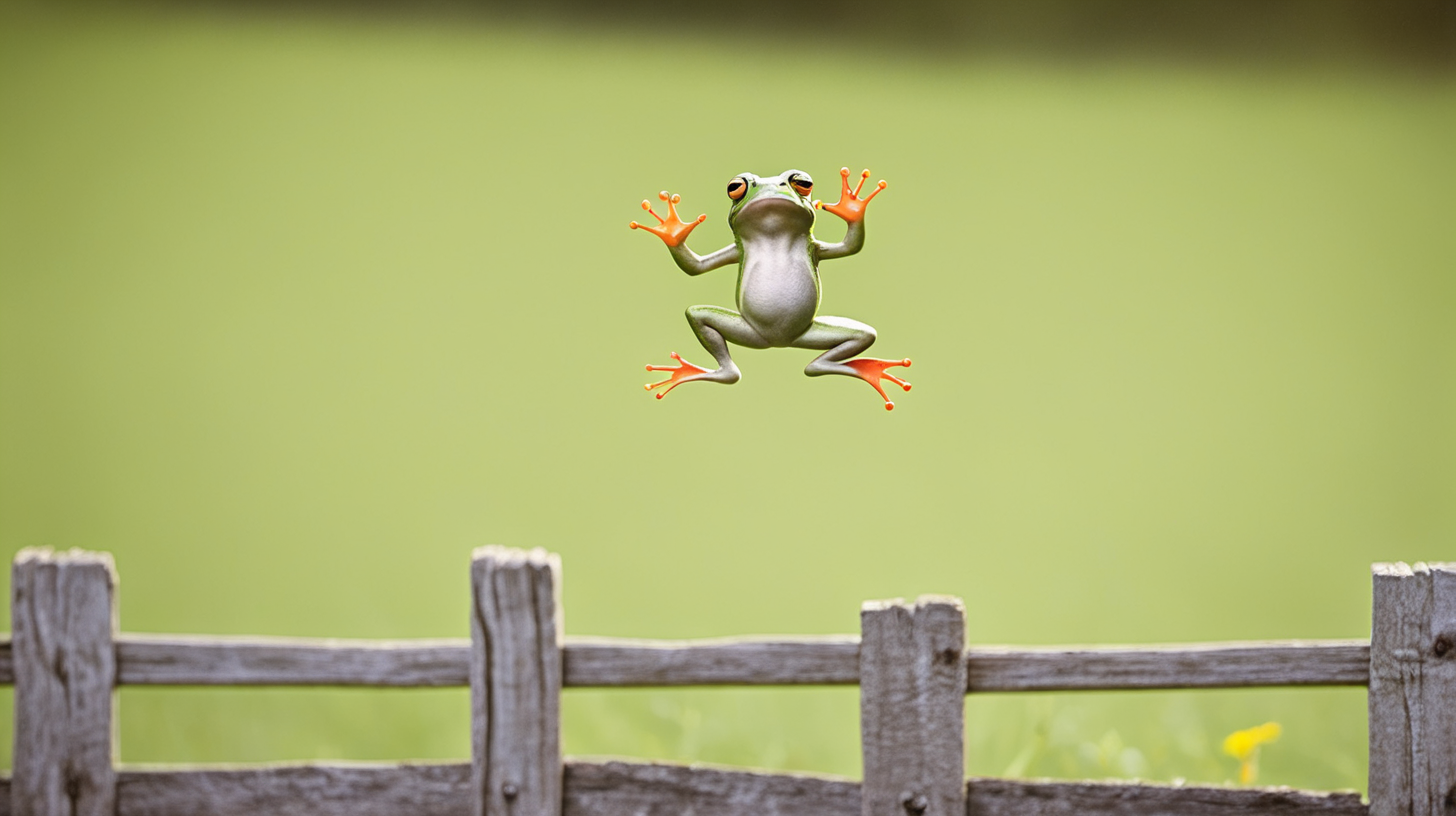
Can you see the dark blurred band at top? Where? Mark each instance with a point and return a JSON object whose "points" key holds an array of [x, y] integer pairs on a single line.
{"points": [[1411, 32]]}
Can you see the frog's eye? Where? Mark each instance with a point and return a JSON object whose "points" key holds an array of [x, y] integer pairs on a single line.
{"points": [[803, 185], [736, 188]]}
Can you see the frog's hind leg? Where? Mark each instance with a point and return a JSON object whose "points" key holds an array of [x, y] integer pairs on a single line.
{"points": [[715, 328], [845, 338]]}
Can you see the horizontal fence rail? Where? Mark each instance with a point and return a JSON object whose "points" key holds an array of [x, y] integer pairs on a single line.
{"points": [[182, 660], [649, 789], [65, 660]]}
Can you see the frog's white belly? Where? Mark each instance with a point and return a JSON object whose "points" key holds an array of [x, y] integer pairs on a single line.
{"points": [[778, 290]]}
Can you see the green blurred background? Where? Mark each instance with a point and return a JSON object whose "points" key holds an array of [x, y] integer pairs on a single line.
{"points": [[297, 307]]}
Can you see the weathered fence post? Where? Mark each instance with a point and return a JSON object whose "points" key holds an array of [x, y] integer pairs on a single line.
{"points": [[1413, 691], [63, 618], [515, 683], [912, 707]]}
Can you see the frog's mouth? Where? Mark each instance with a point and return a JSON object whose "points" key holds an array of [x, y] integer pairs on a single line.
{"points": [[781, 204]]}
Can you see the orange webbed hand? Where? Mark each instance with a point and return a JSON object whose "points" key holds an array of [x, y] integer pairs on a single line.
{"points": [[850, 206], [672, 230]]}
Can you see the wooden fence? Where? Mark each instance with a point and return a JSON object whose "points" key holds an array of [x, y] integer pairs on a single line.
{"points": [[65, 659]]}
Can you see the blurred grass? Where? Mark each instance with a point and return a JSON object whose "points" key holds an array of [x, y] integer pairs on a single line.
{"points": [[295, 311]]}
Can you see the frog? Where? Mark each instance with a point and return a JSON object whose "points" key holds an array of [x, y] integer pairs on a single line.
{"points": [[778, 295]]}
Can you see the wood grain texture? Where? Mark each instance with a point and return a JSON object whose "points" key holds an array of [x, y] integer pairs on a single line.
{"points": [[1009, 797], [1413, 690], [515, 682], [185, 660], [650, 789], [830, 660], [912, 672], [63, 615], [1211, 665], [642, 789], [176, 660], [298, 790]]}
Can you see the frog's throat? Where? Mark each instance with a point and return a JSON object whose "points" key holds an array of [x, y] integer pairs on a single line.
{"points": [[771, 205]]}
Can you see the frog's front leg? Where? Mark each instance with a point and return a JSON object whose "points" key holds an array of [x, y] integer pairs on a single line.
{"points": [[845, 338], [674, 232], [851, 208], [715, 326]]}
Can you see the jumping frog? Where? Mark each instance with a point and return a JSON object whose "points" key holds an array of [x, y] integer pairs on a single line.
{"points": [[772, 220]]}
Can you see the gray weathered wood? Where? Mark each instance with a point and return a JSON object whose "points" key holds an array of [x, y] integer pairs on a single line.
{"points": [[650, 789], [178, 660], [1413, 690], [1010, 797], [642, 789], [591, 789], [830, 660], [515, 683], [1211, 665], [587, 661], [297, 790], [63, 615], [912, 673], [187, 660]]}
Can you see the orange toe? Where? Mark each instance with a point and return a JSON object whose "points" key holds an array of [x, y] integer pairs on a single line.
{"points": [[681, 373], [872, 371]]}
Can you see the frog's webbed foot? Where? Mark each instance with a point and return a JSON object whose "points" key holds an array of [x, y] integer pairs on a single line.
{"points": [[850, 206], [685, 371], [872, 371], [672, 229], [843, 338]]}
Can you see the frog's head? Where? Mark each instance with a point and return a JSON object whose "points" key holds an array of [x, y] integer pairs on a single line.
{"points": [[775, 203]]}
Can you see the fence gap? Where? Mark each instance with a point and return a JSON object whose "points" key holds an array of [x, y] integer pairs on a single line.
{"points": [[63, 619], [1412, 689], [912, 672], [515, 683]]}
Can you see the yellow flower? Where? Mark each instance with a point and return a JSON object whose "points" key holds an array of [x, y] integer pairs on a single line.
{"points": [[1244, 746]]}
